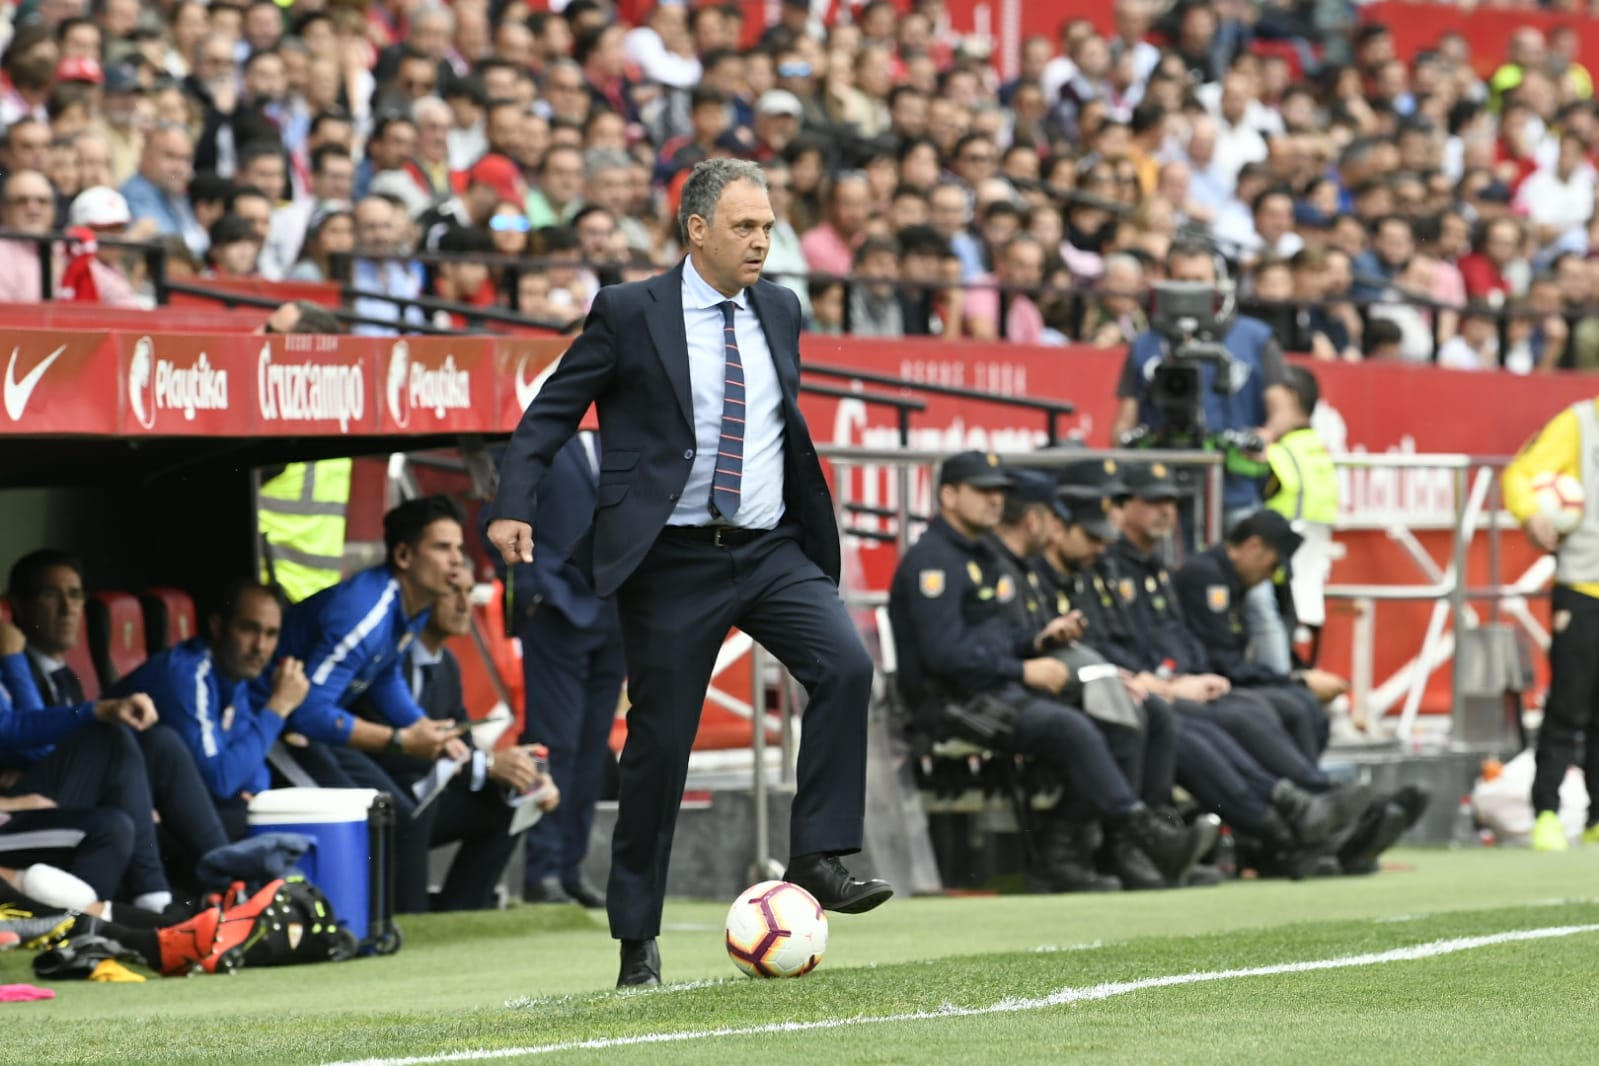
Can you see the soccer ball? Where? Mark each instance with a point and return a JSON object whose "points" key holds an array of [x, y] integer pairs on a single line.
{"points": [[776, 929], [1560, 497]]}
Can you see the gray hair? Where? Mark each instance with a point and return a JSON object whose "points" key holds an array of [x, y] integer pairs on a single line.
{"points": [[705, 186], [597, 161]]}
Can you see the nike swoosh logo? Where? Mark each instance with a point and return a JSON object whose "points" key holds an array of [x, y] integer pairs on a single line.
{"points": [[18, 393]]}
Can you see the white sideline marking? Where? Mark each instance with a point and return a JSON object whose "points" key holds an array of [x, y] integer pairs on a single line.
{"points": [[1009, 1005]]}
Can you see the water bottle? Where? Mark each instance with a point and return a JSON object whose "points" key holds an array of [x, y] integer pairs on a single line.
{"points": [[1226, 854], [1464, 834]]}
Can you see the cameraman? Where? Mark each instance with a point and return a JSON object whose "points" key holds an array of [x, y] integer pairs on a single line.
{"points": [[1259, 403]]}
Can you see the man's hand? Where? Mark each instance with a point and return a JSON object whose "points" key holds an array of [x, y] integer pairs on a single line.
{"points": [[514, 768], [1049, 675], [31, 802], [136, 711], [289, 687], [1061, 630], [427, 738], [12, 639], [1135, 687], [456, 750], [1540, 529], [513, 539], [1324, 684]]}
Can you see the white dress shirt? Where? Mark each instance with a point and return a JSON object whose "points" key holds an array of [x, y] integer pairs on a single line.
{"points": [[760, 504]]}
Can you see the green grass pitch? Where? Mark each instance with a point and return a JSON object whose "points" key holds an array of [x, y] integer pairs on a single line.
{"points": [[1008, 980]]}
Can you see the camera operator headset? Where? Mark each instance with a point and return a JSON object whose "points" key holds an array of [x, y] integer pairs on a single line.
{"points": [[1209, 381]]}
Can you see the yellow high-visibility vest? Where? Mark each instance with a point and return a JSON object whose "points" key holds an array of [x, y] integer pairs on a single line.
{"points": [[1307, 480], [301, 515]]}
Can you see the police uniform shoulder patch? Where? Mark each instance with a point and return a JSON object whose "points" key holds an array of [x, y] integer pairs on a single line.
{"points": [[931, 582], [1004, 589], [1218, 597], [1129, 590]]}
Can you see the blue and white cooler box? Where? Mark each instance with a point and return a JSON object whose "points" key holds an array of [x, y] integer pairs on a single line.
{"points": [[351, 855]]}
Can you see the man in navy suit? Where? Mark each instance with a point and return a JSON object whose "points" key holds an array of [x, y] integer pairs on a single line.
{"points": [[572, 667], [711, 512]]}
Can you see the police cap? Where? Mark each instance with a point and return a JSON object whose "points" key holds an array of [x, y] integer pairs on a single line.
{"points": [[1150, 481], [1035, 486], [980, 470], [1272, 528], [1091, 479]]}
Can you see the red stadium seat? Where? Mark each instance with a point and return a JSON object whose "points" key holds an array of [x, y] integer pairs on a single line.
{"points": [[169, 618], [82, 663], [116, 636]]}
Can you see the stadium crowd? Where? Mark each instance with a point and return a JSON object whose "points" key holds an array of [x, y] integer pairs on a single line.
{"points": [[1372, 208]]}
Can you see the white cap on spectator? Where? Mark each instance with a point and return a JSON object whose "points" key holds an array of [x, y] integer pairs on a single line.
{"points": [[779, 102], [97, 207], [399, 184]]}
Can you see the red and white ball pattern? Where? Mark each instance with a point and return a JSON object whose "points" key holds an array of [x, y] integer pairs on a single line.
{"points": [[1560, 497], [776, 929]]}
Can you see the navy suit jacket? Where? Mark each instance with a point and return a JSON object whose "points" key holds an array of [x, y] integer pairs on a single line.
{"points": [[632, 362], [560, 576]]}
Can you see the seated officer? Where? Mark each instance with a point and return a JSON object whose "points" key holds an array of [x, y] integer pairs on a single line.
{"points": [[1289, 823], [1156, 642], [963, 672], [1138, 733], [1210, 592]]}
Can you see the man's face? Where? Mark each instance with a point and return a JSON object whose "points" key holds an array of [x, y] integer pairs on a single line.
{"points": [[595, 232], [417, 78], [948, 211], [1152, 520], [433, 565], [375, 225], [1073, 543], [266, 173], [563, 176], [1255, 561], [81, 42], [1274, 219], [465, 278], [433, 135], [244, 644], [851, 206], [733, 243], [29, 146], [977, 160], [169, 161], [336, 179], [1024, 264], [257, 211], [52, 613], [397, 144], [1195, 268], [975, 509], [567, 94], [265, 80], [452, 613], [30, 205]]}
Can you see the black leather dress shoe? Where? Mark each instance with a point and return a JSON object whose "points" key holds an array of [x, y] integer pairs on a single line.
{"points": [[582, 892], [824, 877], [545, 890], [641, 964]]}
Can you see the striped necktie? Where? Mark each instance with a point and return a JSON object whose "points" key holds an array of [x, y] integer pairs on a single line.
{"points": [[730, 448]]}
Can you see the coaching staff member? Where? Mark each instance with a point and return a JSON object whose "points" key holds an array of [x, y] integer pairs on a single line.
{"points": [[711, 512]]}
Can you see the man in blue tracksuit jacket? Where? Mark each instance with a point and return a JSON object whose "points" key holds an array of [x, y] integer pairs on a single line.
{"points": [[352, 639], [202, 690]]}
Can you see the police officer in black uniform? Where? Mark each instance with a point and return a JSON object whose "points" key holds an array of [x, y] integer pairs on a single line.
{"points": [[1210, 591], [1211, 766], [965, 673], [1141, 738]]}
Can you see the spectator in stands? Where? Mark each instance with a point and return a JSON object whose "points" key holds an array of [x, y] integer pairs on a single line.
{"points": [[1490, 269], [332, 182], [390, 148], [874, 309], [330, 231], [1000, 306], [559, 192], [201, 688], [827, 296], [233, 248], [830, 247], [382, 269], [27, 205], [159, 190], [464, 280], [1115, 316], [93, 271]]}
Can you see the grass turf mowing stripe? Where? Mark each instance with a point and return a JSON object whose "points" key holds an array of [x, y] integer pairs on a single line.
{"points": [[1061, 997]]}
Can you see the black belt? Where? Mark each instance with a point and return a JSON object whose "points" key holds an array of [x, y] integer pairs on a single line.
{"points": [[720, 536]]}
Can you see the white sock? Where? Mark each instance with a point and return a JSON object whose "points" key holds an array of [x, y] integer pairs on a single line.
{"points": [[47, 884], [153, 901]]}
